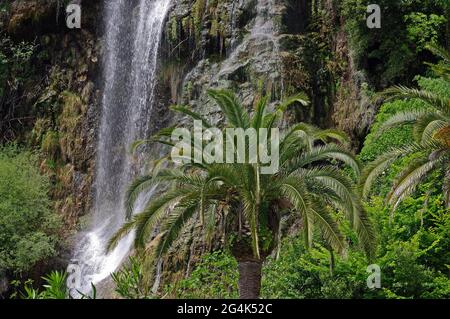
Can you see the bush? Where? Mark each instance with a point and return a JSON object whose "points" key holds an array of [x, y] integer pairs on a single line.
{"points": [[27, 225], [395, 53], [216, 276], [377, 144], [129, 281]]}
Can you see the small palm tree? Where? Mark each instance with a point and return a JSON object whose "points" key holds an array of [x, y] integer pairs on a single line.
{"points": [[246, 206], [431, 139]]}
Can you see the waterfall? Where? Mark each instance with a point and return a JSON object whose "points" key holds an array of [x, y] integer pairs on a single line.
{"points": [[259, 48], [132, 34]]}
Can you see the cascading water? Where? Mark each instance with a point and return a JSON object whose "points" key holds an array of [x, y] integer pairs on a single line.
{"points": [[133, 33], [260, 47]]}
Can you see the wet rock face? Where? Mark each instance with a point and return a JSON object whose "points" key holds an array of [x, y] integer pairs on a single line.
{"points": [[23, 15], [223, 44], [64, 91]]}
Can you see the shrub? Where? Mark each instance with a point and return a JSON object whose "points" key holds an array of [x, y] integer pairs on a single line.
{"points": [[215, 276], [27, 225]]}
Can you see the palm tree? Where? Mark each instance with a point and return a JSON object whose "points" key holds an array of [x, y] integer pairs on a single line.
{"points": [[246, 206], [431, 139]]}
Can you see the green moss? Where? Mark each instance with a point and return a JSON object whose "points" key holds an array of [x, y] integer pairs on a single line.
{"points": [[198, 10], [50, 144]]}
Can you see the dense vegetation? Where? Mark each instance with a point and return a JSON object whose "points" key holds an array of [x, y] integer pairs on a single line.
{"points": [[243, 205], [308, 232], [28, 227], [413, 241]]}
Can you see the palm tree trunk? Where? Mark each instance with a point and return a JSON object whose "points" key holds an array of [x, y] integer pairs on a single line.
{"points": [[249, 279]]}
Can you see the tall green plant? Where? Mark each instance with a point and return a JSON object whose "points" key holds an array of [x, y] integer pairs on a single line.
{"points": [[431, 134], [245, 206]]}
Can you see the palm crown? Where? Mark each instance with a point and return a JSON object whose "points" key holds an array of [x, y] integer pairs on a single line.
{"points": [[247, 205], [431, 139]]}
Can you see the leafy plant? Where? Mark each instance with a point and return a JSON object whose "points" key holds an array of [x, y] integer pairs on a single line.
{"points": [[215, 276], [128, 281], [54, 287], [28, 228], [431, 133], [245, 205]]}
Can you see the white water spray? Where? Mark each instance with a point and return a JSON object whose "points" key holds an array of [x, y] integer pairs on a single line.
{"points": [[133, 33]]}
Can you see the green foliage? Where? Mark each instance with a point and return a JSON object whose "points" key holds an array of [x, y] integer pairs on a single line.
{"points": [[377, 143], [27, 226], [395, 55], [128, 281], [302, 274], [16, 70], [414, 262], [237, 201], [54, 288], [413, 252], [215, 276], [414, 239], [408, 268], [15, 59], [424, 29]]}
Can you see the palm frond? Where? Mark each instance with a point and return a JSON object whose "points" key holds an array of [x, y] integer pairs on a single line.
{"points": [[332, 134], [192, 114], [402, 92], [300, 98], [156, 211], [271, 119], [429, 132], [173, 225], [135, 189], [401, 118], [441, 69], [408, 180], [349, 202], [424, 122], [123, 231], [366, 233], [230, 106], [258, 117], [327, 152], [374, 169], [439, 51], [328, 226], [297, 195]]}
